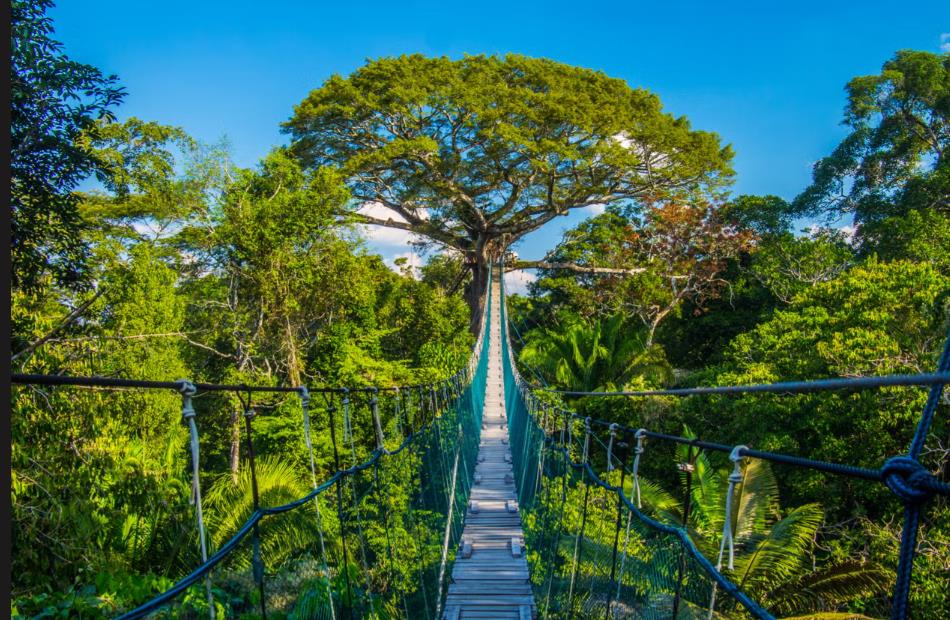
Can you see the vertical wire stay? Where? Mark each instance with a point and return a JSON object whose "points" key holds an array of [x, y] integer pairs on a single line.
{"points": [[257, 561], [188, 391], [308, 441], [622, 454], [578, 542], [687, 467], [727, 527], [357, 501], [450, 500], [331, 409]]}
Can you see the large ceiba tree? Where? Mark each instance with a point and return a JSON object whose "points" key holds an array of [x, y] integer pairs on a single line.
{"points": [[475, 153]]}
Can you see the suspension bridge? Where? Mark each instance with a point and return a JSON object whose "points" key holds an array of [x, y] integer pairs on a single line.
{"points": [[482, 496]]}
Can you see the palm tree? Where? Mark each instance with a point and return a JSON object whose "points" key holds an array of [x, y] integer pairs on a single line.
{"points": [[596, 355], [773, 548], [283, 537]]}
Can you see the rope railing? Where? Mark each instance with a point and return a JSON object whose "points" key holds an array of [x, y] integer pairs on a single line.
{"points": [[785, 388], [392, 505], [562, 482], [387, 516]]}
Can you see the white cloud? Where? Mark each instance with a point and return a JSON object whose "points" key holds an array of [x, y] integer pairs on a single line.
{"points": [[945, 42], [516, 282], [593, 210]]}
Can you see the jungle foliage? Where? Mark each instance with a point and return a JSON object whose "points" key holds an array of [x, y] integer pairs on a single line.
{"points": [[781, 305], [183, 265]]}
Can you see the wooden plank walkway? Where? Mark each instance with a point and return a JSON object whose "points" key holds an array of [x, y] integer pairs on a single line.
{"points": [[490, 577]]}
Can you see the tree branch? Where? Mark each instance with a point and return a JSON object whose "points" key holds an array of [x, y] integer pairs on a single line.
{"points": [[536, 264], [422, 228]]}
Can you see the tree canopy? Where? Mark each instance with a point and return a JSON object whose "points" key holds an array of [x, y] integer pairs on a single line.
{"points": [[182, 264], [475, 153], [896, 157], [54, 100]]}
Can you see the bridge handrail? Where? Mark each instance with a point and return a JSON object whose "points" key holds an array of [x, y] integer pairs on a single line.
{"points": [[454, 383], [903, 475]]}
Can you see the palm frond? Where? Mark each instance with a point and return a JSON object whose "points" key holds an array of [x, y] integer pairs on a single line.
{"points": [[780, 552], [829, 587], [660, 502], [756, 499], [228, 505]]}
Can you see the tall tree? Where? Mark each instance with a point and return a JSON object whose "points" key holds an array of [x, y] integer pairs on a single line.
{"points": [[896, 157], [53, 101], [272, 251], [475, 153]]}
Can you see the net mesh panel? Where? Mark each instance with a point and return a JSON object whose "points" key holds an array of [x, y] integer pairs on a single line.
{"points": [[390, 524], [573, 524], [383, 522]]}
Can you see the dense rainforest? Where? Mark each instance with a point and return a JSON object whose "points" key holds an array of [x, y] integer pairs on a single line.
{"points": [[139, 252]]}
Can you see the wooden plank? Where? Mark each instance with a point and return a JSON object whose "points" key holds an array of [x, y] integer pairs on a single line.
{"points": [[492, 582]]}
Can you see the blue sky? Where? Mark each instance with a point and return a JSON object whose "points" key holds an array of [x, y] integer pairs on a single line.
{"points": [[768, 79]]}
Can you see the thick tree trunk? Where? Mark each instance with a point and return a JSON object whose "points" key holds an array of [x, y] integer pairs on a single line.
{"points": [[479, 261], [475, 292]]}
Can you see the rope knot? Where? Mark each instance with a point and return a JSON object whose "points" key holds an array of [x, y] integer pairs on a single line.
{"points": [[304, 396], [906, 478], [377, 423], [736, 457], [586, 438], [188, 390]]}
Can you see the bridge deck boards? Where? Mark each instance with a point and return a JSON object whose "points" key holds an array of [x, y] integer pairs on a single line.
{"points": [[492, 583]]}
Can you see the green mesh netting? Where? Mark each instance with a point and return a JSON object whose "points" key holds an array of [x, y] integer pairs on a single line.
{"points": [[376, 540], [590, 553]]}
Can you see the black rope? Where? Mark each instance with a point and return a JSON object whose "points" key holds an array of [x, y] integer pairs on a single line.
{"points": [[922, 480], [257, 562], [114, 382], [687, 468], [787, 387], [622, 449], [912, 484]]}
